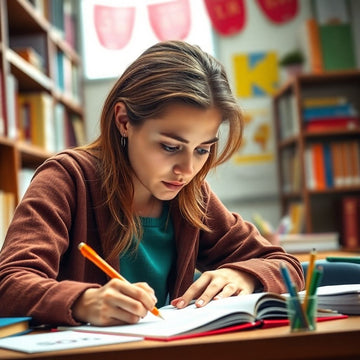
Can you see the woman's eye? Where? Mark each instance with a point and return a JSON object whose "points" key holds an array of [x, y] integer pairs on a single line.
{"points": [[169, 148], [203, 151]]}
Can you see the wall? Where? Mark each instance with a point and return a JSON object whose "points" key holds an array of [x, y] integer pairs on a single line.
{"points": [[250, 192]]}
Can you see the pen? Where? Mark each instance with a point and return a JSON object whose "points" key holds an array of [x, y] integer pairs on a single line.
{"points": [[309, 276], [294, 295], [91, 254]]}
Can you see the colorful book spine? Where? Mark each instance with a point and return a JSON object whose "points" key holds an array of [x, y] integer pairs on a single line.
{"points": [[332, 124], [334, 164], [350, 236], [329, 111], [323, 101]]}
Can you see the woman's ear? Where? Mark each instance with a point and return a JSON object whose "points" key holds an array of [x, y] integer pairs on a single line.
{"points": [[121, 118]]}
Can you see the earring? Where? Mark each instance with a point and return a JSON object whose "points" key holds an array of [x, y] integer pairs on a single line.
{"points": [[123, 141]]}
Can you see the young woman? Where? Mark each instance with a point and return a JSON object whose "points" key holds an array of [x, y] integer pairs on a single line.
{"points": [[138, 196]]}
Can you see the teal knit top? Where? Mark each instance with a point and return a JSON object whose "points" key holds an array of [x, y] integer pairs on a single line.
{"points": [[153, 259]]}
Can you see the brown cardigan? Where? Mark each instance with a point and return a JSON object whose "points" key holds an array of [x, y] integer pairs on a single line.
{"points": [[42, 272]]}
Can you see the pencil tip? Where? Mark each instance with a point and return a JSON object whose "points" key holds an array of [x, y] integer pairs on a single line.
{"points": [[160, 316]]}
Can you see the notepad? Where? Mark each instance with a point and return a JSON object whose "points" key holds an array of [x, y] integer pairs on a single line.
{"points": [[61, 340]]}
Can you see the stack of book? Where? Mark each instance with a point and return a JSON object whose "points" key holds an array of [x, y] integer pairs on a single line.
{"points": [[329, 114]]}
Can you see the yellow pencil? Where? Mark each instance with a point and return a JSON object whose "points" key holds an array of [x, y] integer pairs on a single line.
{"points": [[91, 254], [309, 275]]}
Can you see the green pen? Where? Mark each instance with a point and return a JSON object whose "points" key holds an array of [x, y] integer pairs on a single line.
{"points": [[349, 259]]}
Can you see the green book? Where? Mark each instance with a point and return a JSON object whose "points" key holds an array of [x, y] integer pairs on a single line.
{"points": [[337, 46]]}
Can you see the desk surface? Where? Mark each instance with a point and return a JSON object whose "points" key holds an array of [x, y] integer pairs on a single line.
{"points": [[338, 339]]}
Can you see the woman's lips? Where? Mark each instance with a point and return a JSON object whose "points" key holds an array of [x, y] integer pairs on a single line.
{"points": [[173, 185]]}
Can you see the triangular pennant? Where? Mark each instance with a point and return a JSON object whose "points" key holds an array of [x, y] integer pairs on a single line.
{"points": [[227, 16], [113, 25], [170, 20], [279, 11]]}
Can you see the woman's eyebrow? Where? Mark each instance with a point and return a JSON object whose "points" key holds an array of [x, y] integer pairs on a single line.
{"points": [[179, 138]]}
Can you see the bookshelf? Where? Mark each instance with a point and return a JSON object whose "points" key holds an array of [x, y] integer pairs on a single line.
{"points": [[318, 182], [38, 60]]}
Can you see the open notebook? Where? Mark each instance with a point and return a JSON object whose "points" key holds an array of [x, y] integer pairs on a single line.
{"points": [[223, 315]]}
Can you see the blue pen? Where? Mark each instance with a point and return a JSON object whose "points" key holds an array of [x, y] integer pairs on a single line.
{"points": [[293, 293]]}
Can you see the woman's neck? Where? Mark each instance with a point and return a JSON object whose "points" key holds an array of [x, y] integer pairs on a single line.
{"points": [[151, 207]]}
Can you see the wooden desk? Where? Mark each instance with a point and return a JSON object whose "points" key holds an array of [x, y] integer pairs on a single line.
{"points": [[323, 254], [338, 339]]}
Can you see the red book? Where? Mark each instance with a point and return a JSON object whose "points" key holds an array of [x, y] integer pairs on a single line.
{"points": [[332, 124], [319, 165], [350, 234]]}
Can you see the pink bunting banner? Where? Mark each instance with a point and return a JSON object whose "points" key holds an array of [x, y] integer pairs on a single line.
{"points": [[279, 11], [170, 20], [114, 25], [228, 17]]}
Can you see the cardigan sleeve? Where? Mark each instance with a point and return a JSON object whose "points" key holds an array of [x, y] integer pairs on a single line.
{"points": [[41, 271], [236, 243]]}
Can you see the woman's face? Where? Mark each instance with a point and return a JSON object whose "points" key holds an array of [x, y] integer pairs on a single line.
{"points": [[166, 153]]}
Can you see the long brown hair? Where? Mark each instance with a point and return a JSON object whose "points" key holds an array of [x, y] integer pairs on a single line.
{"points": [[167, 72]]}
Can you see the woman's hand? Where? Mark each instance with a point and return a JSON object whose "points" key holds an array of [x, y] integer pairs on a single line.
{"points": [[217, 284], [117, 302]]}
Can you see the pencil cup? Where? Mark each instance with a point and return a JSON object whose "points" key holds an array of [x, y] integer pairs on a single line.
{"points": [[302, 314]]}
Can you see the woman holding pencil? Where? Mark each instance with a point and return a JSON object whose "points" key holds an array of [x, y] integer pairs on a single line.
{"points": [[138, 197]]}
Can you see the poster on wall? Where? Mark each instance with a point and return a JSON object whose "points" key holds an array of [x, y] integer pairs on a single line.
{"points": [[116, 32], [251, 172], [255, 74]]}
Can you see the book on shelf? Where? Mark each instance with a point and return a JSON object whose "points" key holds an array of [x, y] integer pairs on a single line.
{"points": [[337, 44], [70, 23], [14, 326], [288, 115], [332, 164], [350, 225], [37, 119], [32, 47], [303, 243], [311, 47], [7, 208], [31, 56], [328, 111], [12, 121], [320, 101], [219, 316], [332, 124]]}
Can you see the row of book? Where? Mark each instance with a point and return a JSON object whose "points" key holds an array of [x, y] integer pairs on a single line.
{"points": [[329, 114], [37, 119], [292, 236], [48, 125], [7, 208], [332, 164], [62, 14]]}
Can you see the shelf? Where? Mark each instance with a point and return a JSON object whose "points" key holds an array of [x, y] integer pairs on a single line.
{"points": [[31, 78], [317, 169], [31, 156], [31, 20]]}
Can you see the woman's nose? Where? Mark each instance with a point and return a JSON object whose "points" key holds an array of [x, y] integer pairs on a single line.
{"points": [[184, 165]]}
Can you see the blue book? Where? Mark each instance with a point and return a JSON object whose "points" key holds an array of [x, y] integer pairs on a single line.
{"points": [[328, 111], [14, 326], [329, 175]]}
